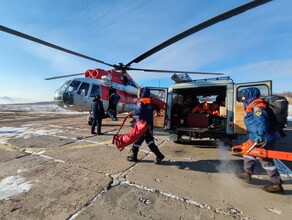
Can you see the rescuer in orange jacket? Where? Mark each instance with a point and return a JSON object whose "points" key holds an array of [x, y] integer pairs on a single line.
{"points": [[144, 111], [259, 129], [210, 108]]}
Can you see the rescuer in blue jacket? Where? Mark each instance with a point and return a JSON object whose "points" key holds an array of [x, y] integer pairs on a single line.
{"points": [[144, 112], [113, 102], [258, 124]]}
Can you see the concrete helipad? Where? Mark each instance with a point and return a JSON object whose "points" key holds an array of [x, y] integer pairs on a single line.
{"points": [[51, 167]]}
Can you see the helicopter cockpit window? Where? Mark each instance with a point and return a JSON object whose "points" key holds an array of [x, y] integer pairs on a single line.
{"points": [[95, 90], [73, 86], [83, 89], [65, 85]]}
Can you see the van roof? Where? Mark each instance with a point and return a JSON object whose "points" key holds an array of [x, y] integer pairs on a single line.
{"points": [[204, 82]]}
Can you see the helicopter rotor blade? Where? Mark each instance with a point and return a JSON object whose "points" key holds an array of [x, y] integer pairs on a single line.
{"points": [[34, 39], [174, 71], [64, 76], [199, 27], [121, 66]]}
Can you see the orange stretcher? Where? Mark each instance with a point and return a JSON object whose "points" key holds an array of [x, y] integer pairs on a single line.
{"points": [[256, 150]]}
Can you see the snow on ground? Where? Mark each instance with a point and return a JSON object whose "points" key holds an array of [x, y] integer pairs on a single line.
{"points": [[26, 131], [13, 185], [36, 107]]}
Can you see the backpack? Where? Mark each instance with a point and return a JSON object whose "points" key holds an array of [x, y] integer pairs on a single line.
{"points": [[277, 109]]}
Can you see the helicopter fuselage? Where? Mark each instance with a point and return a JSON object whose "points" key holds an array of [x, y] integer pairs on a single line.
{"points": [[77, 94]]}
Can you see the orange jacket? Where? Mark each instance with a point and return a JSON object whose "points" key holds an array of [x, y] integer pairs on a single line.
{"points": [[205, 107]]}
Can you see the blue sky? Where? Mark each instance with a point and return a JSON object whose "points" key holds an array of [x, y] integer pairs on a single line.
{"points": [[253, 46]]}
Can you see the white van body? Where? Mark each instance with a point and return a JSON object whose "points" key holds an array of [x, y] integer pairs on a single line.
{"points": [[184, 125]]}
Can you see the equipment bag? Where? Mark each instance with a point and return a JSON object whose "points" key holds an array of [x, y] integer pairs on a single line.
{"points": [[90, 119], [158, 105], [277, 109], [123, 140]]}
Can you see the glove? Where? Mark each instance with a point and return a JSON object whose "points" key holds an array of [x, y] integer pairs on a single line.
{"points": [[130, 114], [259, 139]]}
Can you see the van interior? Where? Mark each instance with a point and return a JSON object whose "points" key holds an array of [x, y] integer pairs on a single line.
{"points": [[201, 107]]}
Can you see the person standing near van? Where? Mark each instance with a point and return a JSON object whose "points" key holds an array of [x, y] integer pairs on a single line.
{"points": [[97, 115], [259, 130], [144, 112]]}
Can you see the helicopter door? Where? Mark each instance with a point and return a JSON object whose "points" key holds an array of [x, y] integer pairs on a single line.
{"points": [[266, 89], [159, 117], [81, 100], [94, 90]]}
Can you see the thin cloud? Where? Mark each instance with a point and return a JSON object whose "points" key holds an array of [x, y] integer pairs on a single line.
{"points": [[268, 68]]}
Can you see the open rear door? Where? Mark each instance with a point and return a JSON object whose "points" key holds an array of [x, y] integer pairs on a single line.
{"points": [[159, 118], [266, 89]]}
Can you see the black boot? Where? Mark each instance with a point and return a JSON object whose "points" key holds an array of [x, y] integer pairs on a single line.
{"points": [[92, 131], [156, 151], [133, 157], [245, 176], [274, 188]]}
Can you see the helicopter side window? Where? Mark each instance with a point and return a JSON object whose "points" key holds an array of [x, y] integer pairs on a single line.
{"points": [[73, 86], [95, 90], [83, 89]]}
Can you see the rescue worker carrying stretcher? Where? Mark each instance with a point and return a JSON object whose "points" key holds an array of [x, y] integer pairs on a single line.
{"points": [[259, 130], [144, 112]]}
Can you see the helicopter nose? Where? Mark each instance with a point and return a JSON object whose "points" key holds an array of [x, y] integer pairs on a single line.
{"points": [[58, 98], [63, 99]]}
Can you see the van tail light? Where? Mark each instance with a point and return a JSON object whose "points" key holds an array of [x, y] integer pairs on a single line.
{"points": [[231, 126], [166, 120]]}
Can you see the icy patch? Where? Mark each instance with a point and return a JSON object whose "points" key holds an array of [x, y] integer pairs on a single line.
{"points": [[24, 132], [34, 107], [9, 132], [274, 210], [31, 125], [22, 170], [13, 185]]}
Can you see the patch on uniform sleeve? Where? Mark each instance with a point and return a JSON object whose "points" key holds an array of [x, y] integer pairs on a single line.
{"points": [[258, 111]]}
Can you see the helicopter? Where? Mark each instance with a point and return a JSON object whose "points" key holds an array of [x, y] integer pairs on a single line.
{"points": [[77, 94]]}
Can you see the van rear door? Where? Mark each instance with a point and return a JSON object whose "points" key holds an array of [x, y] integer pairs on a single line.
{"points": [[159, 118], [266, 89]]}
